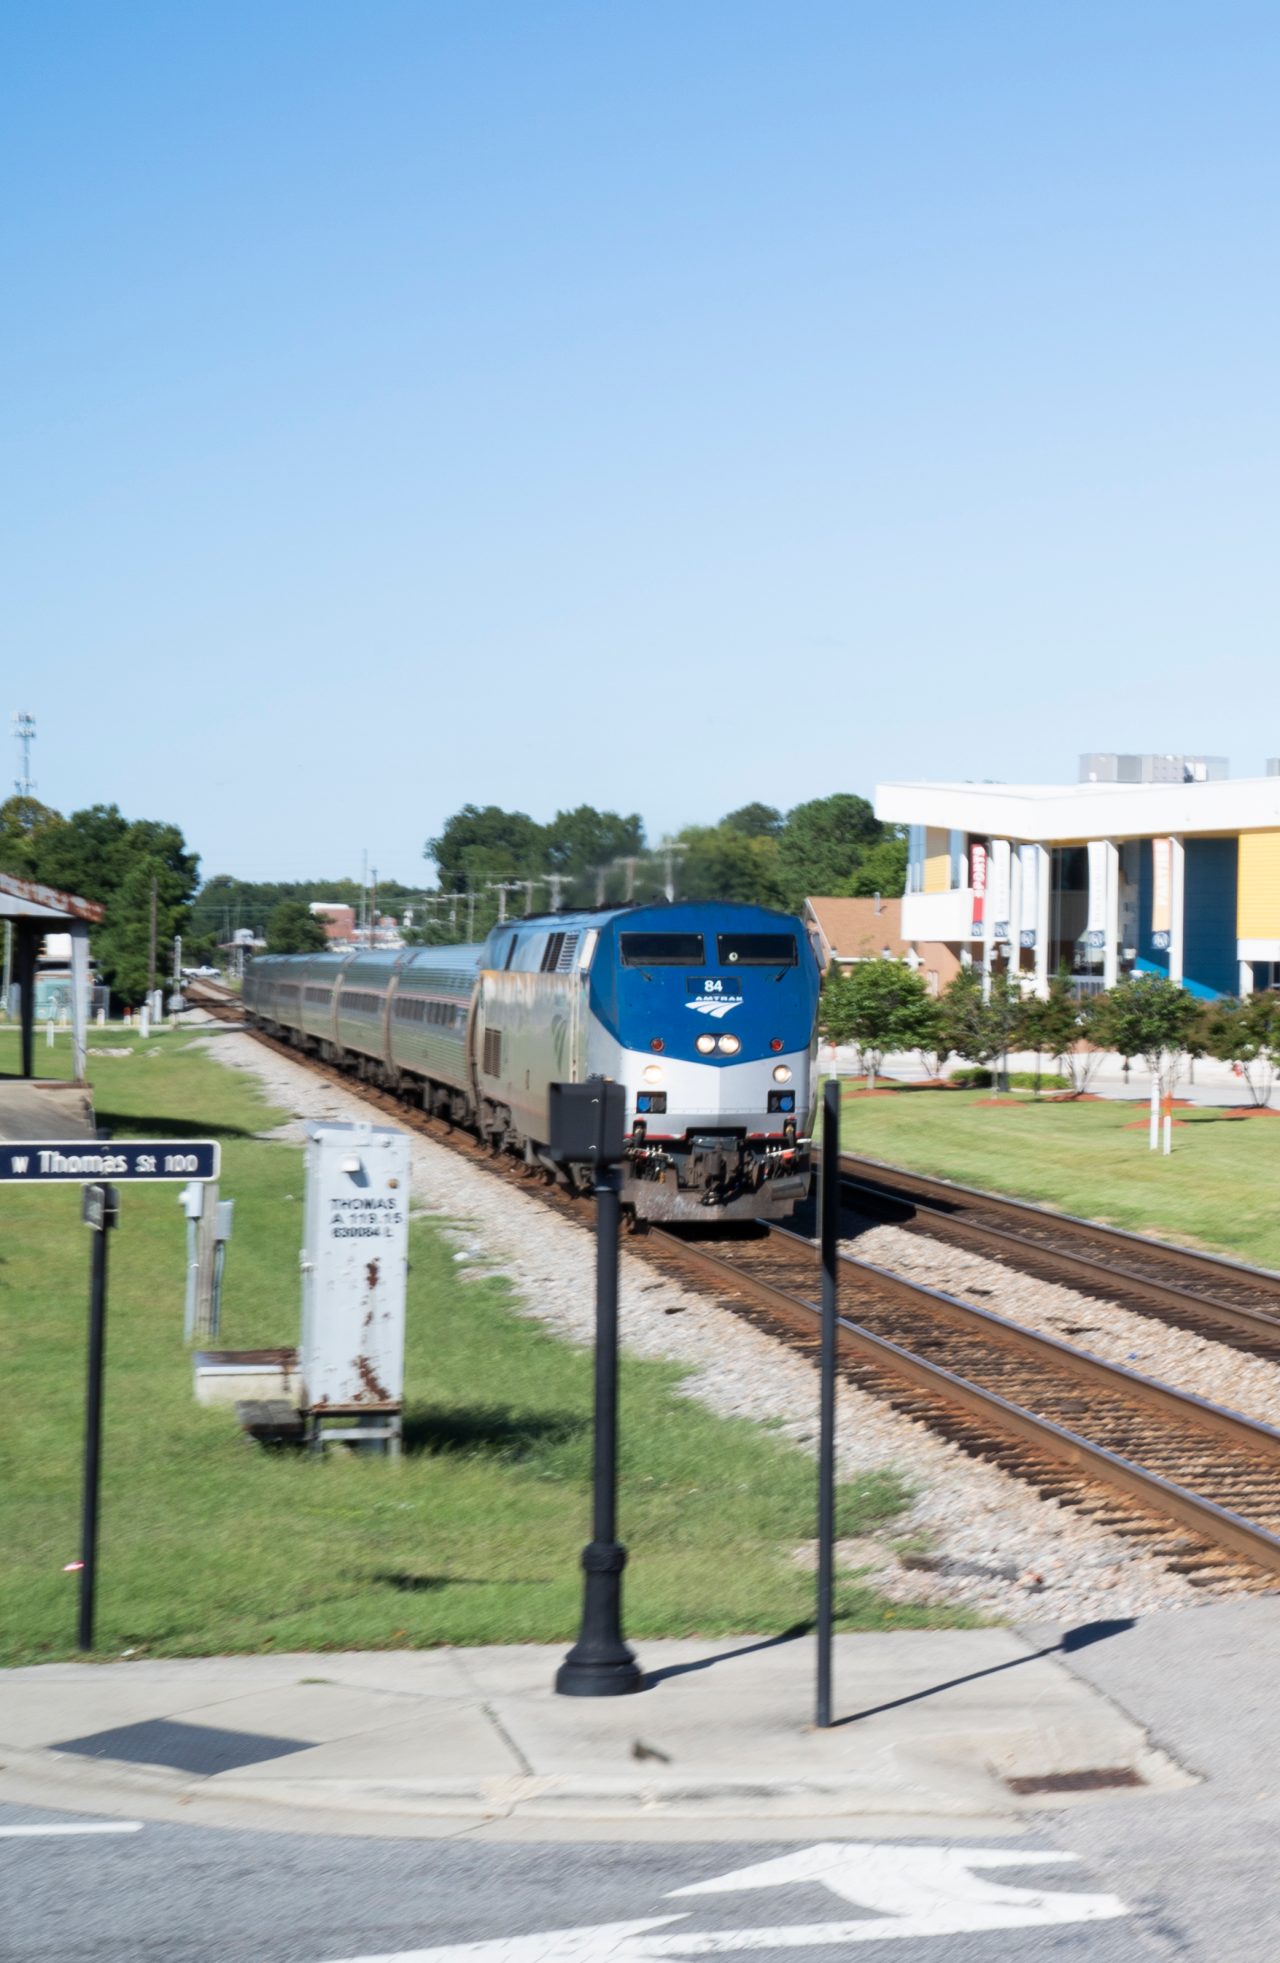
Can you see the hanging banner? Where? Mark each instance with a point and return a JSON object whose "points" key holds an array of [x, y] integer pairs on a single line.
{"points": [[1029, 911], [1161, 892], [978, 887], [1095, 935], [998, 897]]}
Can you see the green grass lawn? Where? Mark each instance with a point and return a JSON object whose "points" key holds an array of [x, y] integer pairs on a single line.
{"points": [[1217, 1189], [211, 1544]]}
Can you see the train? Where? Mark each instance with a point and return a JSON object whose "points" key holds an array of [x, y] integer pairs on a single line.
{"points": [[706, 1014]]}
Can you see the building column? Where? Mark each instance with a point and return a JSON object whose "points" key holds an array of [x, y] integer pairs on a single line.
{"points": [[1246, 979], [1177, 906], [79, 998], [1015, 910], [1044, 898], [1111, 947], [28, 940], [987, 942]]}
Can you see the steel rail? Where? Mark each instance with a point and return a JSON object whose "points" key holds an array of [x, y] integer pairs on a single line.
{"points": [[942, 1193], [1261, 1327], [1202, 1515]]}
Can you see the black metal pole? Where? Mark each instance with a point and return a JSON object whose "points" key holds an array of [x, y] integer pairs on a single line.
{"points": [[100, 1206], [829, 1202], [600, 1664]]}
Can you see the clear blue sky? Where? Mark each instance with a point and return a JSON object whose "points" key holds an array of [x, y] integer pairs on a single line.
{"points": [[660, 405]]}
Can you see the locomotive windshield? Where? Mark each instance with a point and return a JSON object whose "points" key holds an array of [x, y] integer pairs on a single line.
{"points": [[756, 950], [662, 950]]}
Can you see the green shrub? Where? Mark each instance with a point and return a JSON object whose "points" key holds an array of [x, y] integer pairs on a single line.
{"points": [[970, 1077]]}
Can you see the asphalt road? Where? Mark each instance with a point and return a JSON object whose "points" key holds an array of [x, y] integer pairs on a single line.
{"points": [[78, 1890]]}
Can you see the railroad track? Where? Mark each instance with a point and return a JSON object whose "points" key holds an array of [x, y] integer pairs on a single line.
{"points": [[1200, 1485], [1193, 1484], [1207, 1294]]}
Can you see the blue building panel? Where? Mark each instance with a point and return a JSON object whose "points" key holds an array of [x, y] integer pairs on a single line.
{"points": [[1209, 966], [1209, 962]]}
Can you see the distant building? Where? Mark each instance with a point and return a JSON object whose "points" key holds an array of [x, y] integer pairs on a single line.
{"points": [[1104, 767], [1136, 874], [871, 930], [342, 930], [338, 921]]}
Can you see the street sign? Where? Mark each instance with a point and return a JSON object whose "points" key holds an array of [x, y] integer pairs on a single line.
{"points": [[42, 1161]]}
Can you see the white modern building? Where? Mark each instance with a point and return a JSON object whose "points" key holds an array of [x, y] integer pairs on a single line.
{"points": [[1103, 878]]}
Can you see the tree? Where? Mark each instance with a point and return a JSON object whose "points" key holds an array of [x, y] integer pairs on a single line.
{"points": [[823, 842], [88, 853], [1247, 1035], [101, 855], [883, 1007], [979, 1029], [1058, 1025], [294, 929], [587, 848], [22, 821], [882, 869], [490, 843], [721, 864], [755, 821], [123, 944], [1151, 1017]]}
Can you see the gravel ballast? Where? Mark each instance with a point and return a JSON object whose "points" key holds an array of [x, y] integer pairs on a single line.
{"points": [[1216, 1371], [973, 1536]]}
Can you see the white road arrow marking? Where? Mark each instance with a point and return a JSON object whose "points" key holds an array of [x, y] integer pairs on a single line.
{"points": [[920, 1891], [933, 1887]]}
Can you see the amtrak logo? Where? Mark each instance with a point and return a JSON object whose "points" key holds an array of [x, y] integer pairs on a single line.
{"points": [[714, 1005]]}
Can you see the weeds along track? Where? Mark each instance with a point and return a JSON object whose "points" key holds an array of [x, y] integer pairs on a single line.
{"points": [[1206, 1294], [1194, 1485]]}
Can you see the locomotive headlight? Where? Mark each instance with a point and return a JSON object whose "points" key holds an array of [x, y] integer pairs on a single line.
{"points": [[705, 1045], [782, 1073], [729, 1044], [652, 1073]]}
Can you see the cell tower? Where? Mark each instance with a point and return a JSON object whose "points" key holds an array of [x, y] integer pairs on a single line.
{"points": [[24, 734]]}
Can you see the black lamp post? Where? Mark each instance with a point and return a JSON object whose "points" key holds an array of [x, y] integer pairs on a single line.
{"points": [[588, 1125]]}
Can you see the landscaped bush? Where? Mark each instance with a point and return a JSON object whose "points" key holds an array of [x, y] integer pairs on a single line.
{"points": [[971, 1078]]}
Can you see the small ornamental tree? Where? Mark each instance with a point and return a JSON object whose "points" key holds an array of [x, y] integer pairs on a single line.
{"points": [[1247, 1035], [293, 929], [881, 1006], [1058, 1025], [1151, 1017], [979, 1029]]}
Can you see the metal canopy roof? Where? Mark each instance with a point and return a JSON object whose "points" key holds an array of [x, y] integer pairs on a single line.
{"points": [[27, 899]]}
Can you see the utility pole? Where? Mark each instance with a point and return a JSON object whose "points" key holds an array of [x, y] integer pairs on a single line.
{"points": [[471, 912], [630, 865], [151, 945], [373, 909], [556, 881]]}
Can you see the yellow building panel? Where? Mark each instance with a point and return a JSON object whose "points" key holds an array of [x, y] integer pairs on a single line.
{"points": [[1258, 892], [937, 860]]}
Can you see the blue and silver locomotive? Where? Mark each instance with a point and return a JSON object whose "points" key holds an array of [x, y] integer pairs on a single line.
{"points": [[706, 1014]]}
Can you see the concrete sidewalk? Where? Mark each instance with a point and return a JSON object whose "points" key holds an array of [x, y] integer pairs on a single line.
{"points": [[934, 1728]]}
